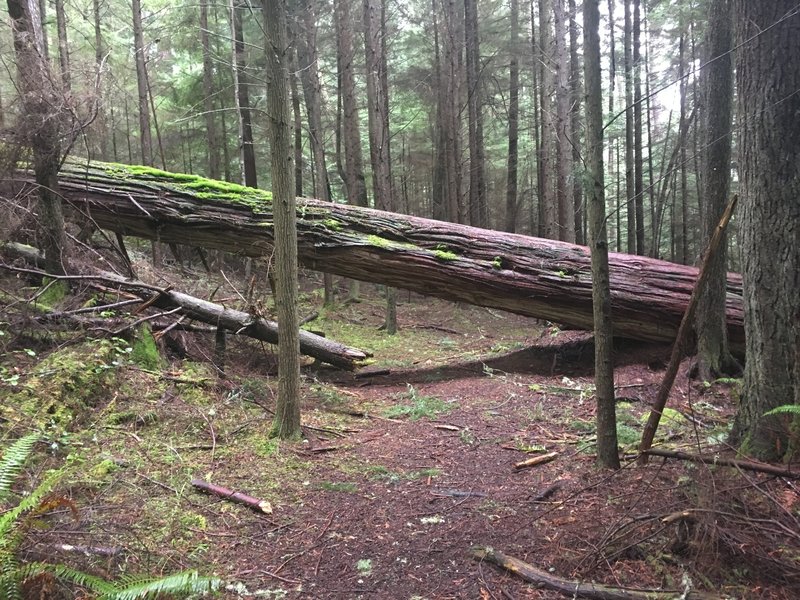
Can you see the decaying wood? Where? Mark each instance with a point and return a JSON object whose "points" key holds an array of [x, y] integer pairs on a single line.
{"points": [[745, 465], [239, 322], [539, 278], [577, 589], [536, 460], [680, 346], [238, 497]]}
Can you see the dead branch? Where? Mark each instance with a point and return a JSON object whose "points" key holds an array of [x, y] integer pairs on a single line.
{"points": [[745, 465], [239, 498], [681, 338], [576, 589], [536, 460]]}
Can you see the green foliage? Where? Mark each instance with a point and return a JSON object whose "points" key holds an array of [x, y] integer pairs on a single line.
{"points": [[786, 409], [17, 521], [420, 407], [145, 350]]}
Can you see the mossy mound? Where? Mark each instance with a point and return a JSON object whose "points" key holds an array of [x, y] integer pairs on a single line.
{"points": [[64, 385]]}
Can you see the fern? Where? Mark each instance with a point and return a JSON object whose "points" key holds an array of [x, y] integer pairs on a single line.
{"points": [[15, 522], [786, 409], [12, 462]]}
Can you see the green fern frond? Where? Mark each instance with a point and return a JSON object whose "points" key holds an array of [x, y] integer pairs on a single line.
{"points": [[9, 520], [786, 409], [183, 583], [9, 578], [84, 580], [12, 462]]}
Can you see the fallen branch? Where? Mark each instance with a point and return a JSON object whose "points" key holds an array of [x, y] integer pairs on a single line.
{"points": [[576, 589], [536, 460], [745, 465], [679, 347], [239, 498], [239, 322]]}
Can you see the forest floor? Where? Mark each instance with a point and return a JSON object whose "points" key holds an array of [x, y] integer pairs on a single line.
{"points": [[404, 466]]}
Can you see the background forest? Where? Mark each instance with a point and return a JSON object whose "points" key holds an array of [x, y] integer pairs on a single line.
{"points": [[485, 105], [134, 375]]}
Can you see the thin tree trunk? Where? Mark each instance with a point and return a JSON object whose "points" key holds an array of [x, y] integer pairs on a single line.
{"points": [[306, 41], [513, 122], [241, 88], [607, 452], [214, 159], [548, 186], [377, 98], [630, 192], [145, 136], [638, 178], [101, 126], [41, 124], [566, 206], [287, 412], [576, 93], [477, 167], [63, 45]]}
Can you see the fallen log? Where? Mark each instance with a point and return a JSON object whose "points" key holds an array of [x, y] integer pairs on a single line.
{"points": [[578, 589], [243, 323], [539, 278], [237, 321], [238, 497]]}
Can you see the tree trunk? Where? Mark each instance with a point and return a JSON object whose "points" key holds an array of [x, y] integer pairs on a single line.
{"points": [[547, 190], [214, 158], [477, 185], [101, 126], [566, 208], [513, 121], [40, 125], [241, 89], [63, 45], [712, 344], [287, 412], [638, 177], [767, 74], [529, 276], [145, 136], [353, 159], [630, 192], [576, 93], [379, 141], [607, 452], [306, 42]]}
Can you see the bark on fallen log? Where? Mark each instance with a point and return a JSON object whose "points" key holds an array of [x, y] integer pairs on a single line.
{"points": [[577, 589], [239, 498], [243, 323], [237, 321], [744, 465], [528, 276]]}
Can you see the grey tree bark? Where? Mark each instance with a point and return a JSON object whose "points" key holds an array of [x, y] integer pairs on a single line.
{"points": [[607, 452], [713, 356], [145, 135], [306, 41], [287, 412], [40, 126], [214, 155], [767, 79], [477, 204], [630, 192], [241, 88], [547, 190], [379, 140], [513, 121]]}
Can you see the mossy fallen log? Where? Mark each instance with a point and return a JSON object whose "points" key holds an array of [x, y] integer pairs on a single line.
{"points": [[529, 276]]}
